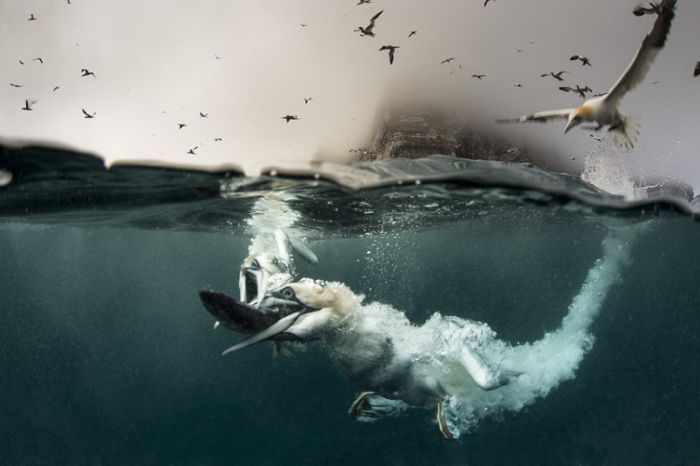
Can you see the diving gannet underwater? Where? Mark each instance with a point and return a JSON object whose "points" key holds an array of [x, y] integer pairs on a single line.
{"points": [[456, 366]]}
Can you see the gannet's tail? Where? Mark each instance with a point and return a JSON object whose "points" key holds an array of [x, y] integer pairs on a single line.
{"points": [[625, 134]]}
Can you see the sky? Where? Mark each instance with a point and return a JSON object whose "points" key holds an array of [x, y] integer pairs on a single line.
{"points": [[246, 64]]}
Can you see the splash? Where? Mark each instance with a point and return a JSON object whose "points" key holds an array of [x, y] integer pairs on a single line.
{"points": [[435, 348], [604, 167]]}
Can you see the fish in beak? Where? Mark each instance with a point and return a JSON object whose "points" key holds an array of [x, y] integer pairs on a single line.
{"points": [[268, 320]]}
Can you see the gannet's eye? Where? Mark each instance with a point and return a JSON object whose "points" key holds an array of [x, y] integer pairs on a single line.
{"points": [[255, 263], [288, 293]]}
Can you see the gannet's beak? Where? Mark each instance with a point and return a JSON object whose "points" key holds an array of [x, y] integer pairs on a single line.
{"points": [[574, 122]]}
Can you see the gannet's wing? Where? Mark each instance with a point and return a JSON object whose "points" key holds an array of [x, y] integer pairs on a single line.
{"points": [[540, 117], [374, 18], [645, 56]]}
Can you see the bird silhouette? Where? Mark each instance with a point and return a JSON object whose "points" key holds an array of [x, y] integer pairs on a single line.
{"points": [[478, 76], [39, 59], [191, 151], [203, 115], [32, 17], [369, 29], [307, 100], [88, 115], [391, 49], [85, 72], [652, 9], [447, 60], [696, 71], [290, 117], [584, 60], [181, 125], [28, 105], [16, 85], [556, 75], [412, 33]]}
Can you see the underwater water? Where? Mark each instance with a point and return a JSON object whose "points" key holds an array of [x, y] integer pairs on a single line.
{"points": [[107, 355]]}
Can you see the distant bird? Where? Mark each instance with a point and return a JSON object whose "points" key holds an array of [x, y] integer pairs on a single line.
{"points": [[303, 25], [584, 60], [55, 88], [519, 50], [88, 115], [603, 110], [517, 85], [203, 115], [652, 9], [85, 72], [16, 85], [596, 138], [217, 57], [556, 75], [412, 33], [39, 59], [307, 99], [32, 17], [68, 2], [696, 71], [447, 60], [217, 139], [191, 151], [478, 76], [581, 91], [181, 125], [290, 117], [28, 105], [21, 62], [362, 2], [391, 49], [369, 29], [486, 2]]}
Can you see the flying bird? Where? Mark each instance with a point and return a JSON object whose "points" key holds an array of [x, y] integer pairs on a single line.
{"points": [[584, 60], [603, 110], [517, 85], [303, 25], [486, 2], [28, 105], [16, 85], [181, 125], [307, 100], [364, 1], [32, 17], [85, 72], [290, 117], [21, 62], [652, 9], [55, 88], [217, 139], [217, 57], [556, 75], [191, 151], [696, 71], [391, 49], [412, 33], [447, 60], [581, 91], [88, 115], [369, 29], [203, 115], [39, 59], [478, 76]]}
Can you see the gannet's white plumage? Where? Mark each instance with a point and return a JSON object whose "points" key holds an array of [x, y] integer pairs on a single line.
{"points": [[603, 110]]}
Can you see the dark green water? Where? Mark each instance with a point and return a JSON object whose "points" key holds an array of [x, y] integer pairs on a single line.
{"points": [[108, 357]]}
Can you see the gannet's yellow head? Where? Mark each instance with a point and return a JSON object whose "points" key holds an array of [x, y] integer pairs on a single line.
{"points": [[576, 117], [317, 294]]}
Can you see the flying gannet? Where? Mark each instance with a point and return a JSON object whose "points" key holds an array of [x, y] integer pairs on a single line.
{"points": [[696, 72], [88, 115], [28, 105], [584, 60], [556, 75], [290, 117], [368, 30], [603, 110], [578, 90], [391, 49]]}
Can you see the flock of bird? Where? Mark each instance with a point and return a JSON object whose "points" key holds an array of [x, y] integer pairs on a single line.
{"points": [[601, 110]]}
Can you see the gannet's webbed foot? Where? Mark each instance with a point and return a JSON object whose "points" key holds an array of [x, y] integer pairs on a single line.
{"points": [[485, 376], [279, 350], [442, 421], [360, 404]]}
